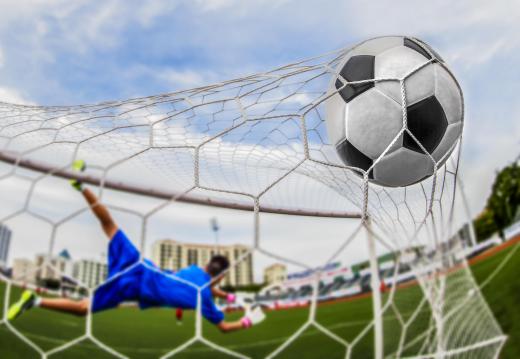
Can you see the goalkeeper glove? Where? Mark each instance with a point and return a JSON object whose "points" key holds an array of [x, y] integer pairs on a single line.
{"points": [[79, 166], [238, 300], [254, 315], [231, 298]]}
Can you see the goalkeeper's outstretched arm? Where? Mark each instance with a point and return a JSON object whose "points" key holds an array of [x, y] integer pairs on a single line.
{"points": [[226, 327], [219, 293], [253, 316], [101, 212]]}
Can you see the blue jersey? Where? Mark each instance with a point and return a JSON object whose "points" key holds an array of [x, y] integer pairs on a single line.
{"points": [[158, 289], [132, 280]]}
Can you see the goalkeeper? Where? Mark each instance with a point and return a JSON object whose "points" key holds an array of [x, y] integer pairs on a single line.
{"points": [[143, 282]]}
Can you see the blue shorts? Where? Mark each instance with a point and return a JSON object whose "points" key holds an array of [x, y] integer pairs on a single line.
{"points": [[124, 275]]}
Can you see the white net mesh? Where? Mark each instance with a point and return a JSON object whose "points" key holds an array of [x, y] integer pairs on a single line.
{"points": [[259, 143]]}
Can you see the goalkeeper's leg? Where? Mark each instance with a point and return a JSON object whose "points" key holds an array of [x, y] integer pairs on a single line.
{"points": [[29, 300], [26, 301], [65, 305]]}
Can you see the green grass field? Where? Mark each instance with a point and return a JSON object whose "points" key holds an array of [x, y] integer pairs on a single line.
{"points": [[154, 332]]}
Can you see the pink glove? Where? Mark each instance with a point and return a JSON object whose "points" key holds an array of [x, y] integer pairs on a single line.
{"points": [[246, 322], [253, 316], [231, 298]]}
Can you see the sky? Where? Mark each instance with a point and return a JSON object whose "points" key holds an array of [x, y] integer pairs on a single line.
{"points": [[58, 52]]}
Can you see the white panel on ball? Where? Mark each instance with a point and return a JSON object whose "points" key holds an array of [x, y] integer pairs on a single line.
{"points": [[376, 46], [420, 85], [448, 94], [373, 122], [336, 112], [448, 141], [396, 63], [403, 167]]}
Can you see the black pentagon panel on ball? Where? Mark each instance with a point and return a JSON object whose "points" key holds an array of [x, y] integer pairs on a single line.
{"points": [[427, 122], [435, 53], [415, 46], [353, 157], [357, 68]]}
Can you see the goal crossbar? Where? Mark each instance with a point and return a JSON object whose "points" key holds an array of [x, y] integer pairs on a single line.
{"points": [[38, 166]]}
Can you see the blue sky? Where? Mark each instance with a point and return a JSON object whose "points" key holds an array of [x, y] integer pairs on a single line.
{"points": [[84, 51], [63, 52]]}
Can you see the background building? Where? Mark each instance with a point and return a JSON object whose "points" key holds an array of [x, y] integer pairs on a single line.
{"points": [[5, 240], [173, 255], [90, 273], [52, 268], [275, 274], [24, 270]]}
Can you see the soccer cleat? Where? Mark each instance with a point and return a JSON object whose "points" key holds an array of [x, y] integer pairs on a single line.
{"points": [[25, 302], [78, 166]]}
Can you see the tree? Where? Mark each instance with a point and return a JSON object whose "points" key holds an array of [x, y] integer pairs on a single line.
{"points": [[505, 197], [484, 225], [502, 206]]}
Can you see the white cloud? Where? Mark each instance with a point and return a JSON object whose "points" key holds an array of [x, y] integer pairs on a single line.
{"points": [[182, 79], [148, 13], [488, 148], [213, 5], [81, 25], [13, 96], [237, 7], [474, 54]]}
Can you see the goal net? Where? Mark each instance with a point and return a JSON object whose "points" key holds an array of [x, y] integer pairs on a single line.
{"points": [[256, 144]]}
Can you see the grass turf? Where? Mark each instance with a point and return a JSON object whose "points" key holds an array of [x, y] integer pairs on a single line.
{"points": [[154, 332]]}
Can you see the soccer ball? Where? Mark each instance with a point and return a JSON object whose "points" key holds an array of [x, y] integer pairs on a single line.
{"points": [[366, 122]]}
